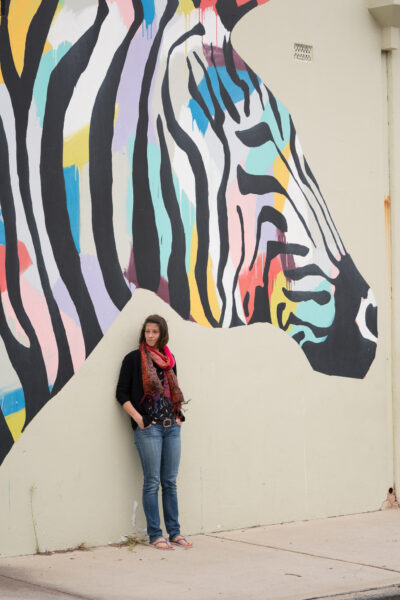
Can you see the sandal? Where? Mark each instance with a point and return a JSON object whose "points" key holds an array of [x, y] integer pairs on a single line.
{"points": [[181, 541], [156, 544]]}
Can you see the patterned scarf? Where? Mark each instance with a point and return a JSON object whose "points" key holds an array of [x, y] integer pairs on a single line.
{"points": [[152, 386]]}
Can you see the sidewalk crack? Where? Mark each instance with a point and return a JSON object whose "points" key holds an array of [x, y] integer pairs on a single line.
{"points": [[321, 556], [46, 588]]}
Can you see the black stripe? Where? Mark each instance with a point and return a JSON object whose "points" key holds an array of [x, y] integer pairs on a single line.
{"points": [[146, 247], [322, 297], [178, 284], [306, 271], [317, 331], [256, 84], [266, 184], [8, 70], [255, 136], [35, 41], [230, 13], [217, 125], [270, 215], [100, 170], [246, 304], [262, 309], [274, 106], [27, 362], [311, 176], [299, 170], [196, 95], [185, 142], [235, 322], [301, 188], [21, 91], [279, 315], [232, 72], [61, 86], [226, 99], [6, 439]]}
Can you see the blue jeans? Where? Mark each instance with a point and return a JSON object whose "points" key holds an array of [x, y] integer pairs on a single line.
{"points": [[160, 451]]}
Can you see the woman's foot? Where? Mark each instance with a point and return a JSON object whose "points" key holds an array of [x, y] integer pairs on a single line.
{"points": [[179, 540], [161, 544]]}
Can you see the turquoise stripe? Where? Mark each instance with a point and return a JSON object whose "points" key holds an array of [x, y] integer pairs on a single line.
{"points": [[12, 402]]}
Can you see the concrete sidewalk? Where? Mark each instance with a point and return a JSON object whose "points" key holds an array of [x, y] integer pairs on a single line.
{"points": [[354, 557]]}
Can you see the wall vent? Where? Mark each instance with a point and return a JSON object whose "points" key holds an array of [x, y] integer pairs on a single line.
{"points": [[303, 52]]}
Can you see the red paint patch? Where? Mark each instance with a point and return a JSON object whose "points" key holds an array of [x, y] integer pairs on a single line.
{"points": [[249, 280], [207, 4], [274, 270], [24, 263]]}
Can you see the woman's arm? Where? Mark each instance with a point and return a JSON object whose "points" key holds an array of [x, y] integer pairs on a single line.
{"points": [[135, 415], [124, 391]]}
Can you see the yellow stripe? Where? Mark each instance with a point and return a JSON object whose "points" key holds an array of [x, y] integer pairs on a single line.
{"points": [[196, 308], [185, 7], [76, 148], [15, 423], [277, 297], [281, 173]]}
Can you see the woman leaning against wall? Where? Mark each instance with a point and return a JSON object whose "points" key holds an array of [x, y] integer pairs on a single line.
{"points": [[148, 391]]}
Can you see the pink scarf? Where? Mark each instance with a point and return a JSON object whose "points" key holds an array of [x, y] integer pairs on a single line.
{"points": [[152, 385]]}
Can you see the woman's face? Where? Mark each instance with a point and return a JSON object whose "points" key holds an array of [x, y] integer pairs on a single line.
{"points": [[152, 334]]}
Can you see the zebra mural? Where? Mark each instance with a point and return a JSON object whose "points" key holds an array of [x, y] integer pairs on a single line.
{"points": [[137, 149]]}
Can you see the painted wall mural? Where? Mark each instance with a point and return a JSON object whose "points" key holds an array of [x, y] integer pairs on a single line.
{"points": [[137, 149]]}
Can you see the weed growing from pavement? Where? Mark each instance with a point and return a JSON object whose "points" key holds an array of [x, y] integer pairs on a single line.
{"points": [[79, 548], [129, 541], [32, 490]]}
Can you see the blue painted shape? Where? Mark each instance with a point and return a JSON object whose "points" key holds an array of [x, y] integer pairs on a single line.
{"points": [[261, 158], [71, 178], [308, 335], [149, 11], [316, 314], [198, 116], [46, 66], [234, 91], [2, 231], [12, 402]]}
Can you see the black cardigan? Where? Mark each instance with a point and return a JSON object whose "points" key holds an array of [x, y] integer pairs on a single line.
{"points": [[130, 386]]}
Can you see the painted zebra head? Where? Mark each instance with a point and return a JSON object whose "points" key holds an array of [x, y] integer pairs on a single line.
{"points": [[261, 245], [138, 149]]}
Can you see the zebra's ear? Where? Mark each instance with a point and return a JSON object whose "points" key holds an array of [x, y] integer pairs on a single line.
{"points": [[230, 13]]}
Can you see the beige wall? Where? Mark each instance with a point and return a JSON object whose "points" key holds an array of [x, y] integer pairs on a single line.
{"points": [[394, 148], [267, 439]]}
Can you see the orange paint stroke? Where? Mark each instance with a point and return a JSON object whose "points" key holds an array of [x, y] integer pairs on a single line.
{"points": [[388, 240], [249, 280], [24, 263], [274, 270]]}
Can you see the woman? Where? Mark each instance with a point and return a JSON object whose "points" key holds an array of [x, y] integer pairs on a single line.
{"points": [[148, 391]]}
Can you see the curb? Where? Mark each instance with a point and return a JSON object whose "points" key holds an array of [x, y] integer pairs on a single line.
{"points": [[391, 592]]}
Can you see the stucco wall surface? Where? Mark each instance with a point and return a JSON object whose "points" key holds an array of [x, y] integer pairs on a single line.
{"points": [[267, 439]]}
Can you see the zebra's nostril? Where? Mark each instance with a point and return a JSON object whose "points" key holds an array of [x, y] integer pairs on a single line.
{"points": [[371, 319]]}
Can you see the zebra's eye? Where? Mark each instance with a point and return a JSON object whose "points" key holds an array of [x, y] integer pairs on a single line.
{"points": [[367, 317]]}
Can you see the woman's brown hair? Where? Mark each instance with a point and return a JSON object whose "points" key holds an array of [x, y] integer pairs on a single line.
{"points": [[162, 324]]}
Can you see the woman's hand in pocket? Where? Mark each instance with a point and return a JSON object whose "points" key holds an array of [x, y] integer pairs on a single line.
{"points": [[141, 423]]}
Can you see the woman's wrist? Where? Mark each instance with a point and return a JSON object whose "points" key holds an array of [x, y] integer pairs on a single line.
{"points": [[133, 413]]}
